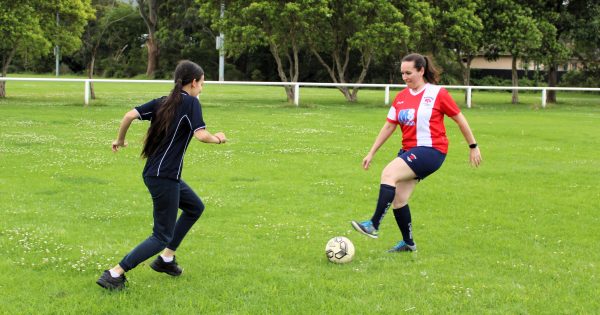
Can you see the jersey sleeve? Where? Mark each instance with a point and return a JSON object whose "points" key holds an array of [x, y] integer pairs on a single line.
{"points": [[147, 111], [392, 115], [196, 119], [447, 103]]}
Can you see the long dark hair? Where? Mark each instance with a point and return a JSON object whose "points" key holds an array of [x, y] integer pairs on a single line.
{"points": [[185, 72], [431, 74]]}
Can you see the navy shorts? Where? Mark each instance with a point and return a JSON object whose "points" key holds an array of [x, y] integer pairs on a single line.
{"points": [[423, 160]]}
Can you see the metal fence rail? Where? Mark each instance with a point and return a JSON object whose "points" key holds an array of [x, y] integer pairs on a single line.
{"points": [[297, 86]]}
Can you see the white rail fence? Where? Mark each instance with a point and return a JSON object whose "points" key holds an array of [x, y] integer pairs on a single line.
{"points": [[297, 86]]}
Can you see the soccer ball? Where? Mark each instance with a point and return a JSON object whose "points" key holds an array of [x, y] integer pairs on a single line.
{"points": [[339, 250]]}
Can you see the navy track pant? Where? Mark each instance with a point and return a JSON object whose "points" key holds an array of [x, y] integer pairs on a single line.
{"points": [[168, 196]]}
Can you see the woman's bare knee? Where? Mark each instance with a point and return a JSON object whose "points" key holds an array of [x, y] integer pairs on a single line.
{"points": [[400, 201], [399, 205], [388, 178], [404, 190]]}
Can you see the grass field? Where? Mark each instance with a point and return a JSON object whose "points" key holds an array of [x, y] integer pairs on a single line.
{"points": [[519, 235]]}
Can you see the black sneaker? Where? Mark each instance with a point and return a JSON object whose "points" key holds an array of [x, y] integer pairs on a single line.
{"points": [[111, 283], [170, 268]]}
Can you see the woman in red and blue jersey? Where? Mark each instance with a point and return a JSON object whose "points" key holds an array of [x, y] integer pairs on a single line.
{"points": [[419, 109], [175, 120]]}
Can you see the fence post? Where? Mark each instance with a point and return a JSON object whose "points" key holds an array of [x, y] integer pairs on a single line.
{"points": [[543, 98], [296, 94], [387, 95], [86, 92], [469, 97]]}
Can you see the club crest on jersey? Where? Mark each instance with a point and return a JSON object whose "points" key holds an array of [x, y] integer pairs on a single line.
{"points": [[407, 117], [428, 100], [411, 157]]}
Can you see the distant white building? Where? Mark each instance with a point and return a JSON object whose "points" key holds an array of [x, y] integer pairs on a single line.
{"points": [[504, 62]]}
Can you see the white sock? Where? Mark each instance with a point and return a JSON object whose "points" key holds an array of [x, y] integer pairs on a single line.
{"points": [[167, 259], [114, 274]]}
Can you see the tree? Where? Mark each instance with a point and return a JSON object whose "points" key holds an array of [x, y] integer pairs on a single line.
{"points": [[149, 12], [553, 51], [418, 16], [29, 27], [20, 31], [278, 25], [460, 31], [108, 14], [586, 42], [510, 27], [555, 20], [585, 32], [183, 34], [363, 29]]}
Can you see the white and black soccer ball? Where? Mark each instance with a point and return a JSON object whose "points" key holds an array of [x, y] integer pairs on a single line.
{"points": [[339, 250]]}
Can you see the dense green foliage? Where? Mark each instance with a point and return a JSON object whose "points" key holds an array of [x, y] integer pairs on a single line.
{"points": [[518, 235], [308, 40], [30, 28]]}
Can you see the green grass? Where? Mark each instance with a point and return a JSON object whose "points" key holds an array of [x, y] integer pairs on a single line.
{"points": [[518, 235]]}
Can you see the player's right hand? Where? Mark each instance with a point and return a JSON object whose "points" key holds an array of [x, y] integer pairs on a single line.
{"points": [[116, 144], [221, 136]]}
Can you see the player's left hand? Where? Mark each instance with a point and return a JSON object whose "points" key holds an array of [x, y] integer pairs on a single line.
{"points": [[475, 157], [366, 162]]}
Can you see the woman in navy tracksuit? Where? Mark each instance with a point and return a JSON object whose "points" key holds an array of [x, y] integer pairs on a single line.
{"points": [[175, 119]]}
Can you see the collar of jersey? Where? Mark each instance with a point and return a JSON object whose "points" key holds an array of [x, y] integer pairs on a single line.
{"points": [[419, 92]]}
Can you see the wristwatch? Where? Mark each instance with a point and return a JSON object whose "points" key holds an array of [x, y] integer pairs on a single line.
{"points": [[473, 146]]}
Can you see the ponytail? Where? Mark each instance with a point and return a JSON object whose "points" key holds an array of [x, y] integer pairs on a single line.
{"points": [[431, 74], [185, 73]]}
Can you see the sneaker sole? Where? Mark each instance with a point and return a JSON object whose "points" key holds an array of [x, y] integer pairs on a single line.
{"points": [[356, 226], [107, 286], [401, 251], [157, 269]]}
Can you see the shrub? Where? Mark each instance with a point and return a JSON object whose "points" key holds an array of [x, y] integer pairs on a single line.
{"points": [[580, 79], [491, 81]]}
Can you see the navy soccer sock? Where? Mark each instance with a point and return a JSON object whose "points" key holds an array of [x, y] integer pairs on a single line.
{"points": [[404, 221], [386, 196]]}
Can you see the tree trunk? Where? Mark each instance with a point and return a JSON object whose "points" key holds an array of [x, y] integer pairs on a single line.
{"points": [[3, 83], [91, 74], [152, 45], [289, 90], [149, 13], [346, 92], [466, 71], [331, 72], [324, 64], [337, 71], [341, 72], [552, 81], [294, 62], [5, 63], [365, 68], [515, 80]]}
